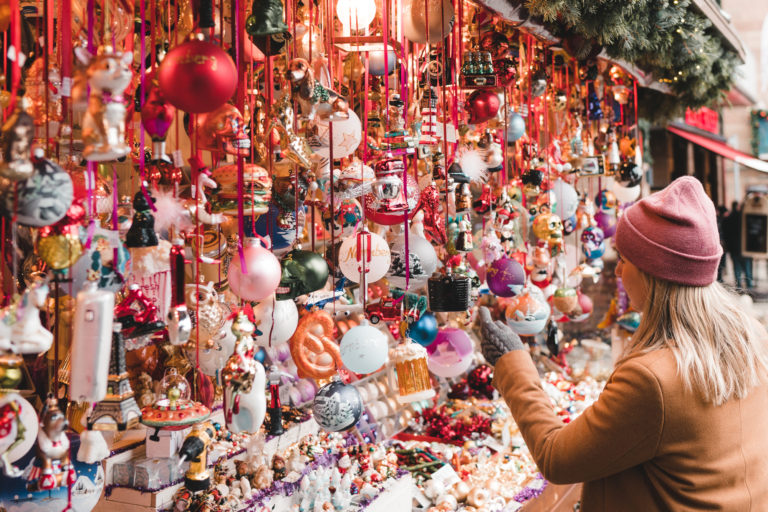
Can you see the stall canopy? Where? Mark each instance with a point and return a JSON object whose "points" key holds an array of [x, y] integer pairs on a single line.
{"points": [[722, 149]]}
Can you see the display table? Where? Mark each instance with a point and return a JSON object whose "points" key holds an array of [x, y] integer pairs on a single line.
{"points": [[555, 498], [129, 498]]}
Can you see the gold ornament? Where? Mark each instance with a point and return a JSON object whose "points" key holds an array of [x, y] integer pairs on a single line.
{"points": [[60, 251], [11, 373]]}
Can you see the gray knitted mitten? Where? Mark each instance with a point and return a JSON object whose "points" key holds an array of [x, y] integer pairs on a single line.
{"points": [[498, 338]]}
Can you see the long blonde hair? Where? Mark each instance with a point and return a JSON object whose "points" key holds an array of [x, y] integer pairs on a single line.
{"points": [[717, 348]]}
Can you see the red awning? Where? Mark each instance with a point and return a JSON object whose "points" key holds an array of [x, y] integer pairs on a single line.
{"points": [[722, 149]]}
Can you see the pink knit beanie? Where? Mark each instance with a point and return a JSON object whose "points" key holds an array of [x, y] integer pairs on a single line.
{"points": [[672, 234]]}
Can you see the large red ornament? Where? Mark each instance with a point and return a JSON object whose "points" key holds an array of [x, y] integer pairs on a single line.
{"points": [[197, 76], [482, 105]]}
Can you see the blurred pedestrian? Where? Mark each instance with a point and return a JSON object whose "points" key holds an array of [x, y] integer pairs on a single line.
{"points": [[741, 264], [722, 211]]}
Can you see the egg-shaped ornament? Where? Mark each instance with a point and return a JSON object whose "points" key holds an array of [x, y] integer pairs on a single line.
{"points": [[515, 127], [377, 65], [584, 309], [451, 353], [526, 314], [625, 194], [364, 349], [593, 242], [607, 221], [505, 277], [605, 200], [261, 275], [427, 20], [347, 136], [276, 321], [42, 199], [197, 76], [567, 199], [337, 406], [565, 299], [422, 261], [303, 272], [424, 330], [366, 254]]}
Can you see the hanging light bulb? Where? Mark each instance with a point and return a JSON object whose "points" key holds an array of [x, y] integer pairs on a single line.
{"points": [[355, 14]]}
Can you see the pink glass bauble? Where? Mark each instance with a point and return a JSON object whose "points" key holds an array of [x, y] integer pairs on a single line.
{"points": [[157, 113], [263, 272], [450, 354]]}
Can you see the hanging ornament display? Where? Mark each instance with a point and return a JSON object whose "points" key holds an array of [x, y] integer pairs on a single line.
{"points": [[345, 218], [230, 193]]}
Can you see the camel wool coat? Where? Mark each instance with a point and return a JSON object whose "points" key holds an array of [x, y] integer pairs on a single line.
{"points": [[646, 444]]}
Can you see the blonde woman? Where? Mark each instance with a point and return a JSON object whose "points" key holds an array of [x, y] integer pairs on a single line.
{"points": [[682, 424]]}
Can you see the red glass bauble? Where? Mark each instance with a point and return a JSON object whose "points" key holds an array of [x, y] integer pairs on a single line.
{"points": [[482, 105], [197, 76]]}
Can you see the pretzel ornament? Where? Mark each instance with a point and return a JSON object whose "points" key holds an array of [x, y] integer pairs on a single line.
{"points": [[313, 348]]}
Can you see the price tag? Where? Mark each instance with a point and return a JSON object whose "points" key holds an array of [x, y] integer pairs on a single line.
{"points": [[178, 160], [420, 498], [446, 475], [292, 477], [493, 444]]}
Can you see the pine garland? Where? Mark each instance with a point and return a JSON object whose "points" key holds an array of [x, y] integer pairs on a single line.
{"points": [[668, 38]]}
